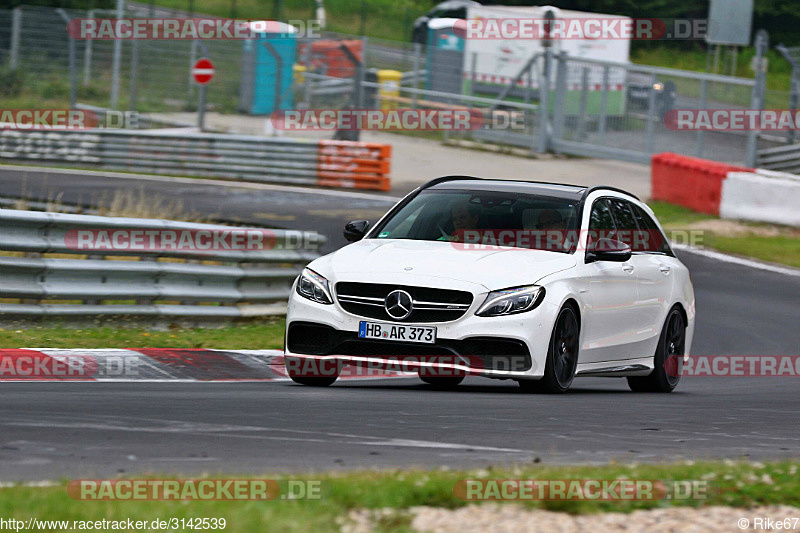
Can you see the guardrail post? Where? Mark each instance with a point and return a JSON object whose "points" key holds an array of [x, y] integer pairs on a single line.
{"points": [[16, 34]]}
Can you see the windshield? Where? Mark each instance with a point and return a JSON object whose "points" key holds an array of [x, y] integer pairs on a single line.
{"points": [[486, 218]]}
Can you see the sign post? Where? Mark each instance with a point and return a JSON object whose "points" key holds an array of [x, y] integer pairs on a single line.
{"points": [[202, 72]]}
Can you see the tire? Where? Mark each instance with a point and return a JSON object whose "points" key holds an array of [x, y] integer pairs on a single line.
{"points": [[671, 344], [442, 383], [292, 364], [562, 356]]}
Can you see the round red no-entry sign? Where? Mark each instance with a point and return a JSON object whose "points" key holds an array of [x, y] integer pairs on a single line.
{"points": [[203, 71]]}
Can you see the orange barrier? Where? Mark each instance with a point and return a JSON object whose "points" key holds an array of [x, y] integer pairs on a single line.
{"points": [[690, 181], [357, 165], [328, 58]]}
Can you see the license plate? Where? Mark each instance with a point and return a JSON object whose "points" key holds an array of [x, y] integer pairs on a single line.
{"points": [[395, 332]]}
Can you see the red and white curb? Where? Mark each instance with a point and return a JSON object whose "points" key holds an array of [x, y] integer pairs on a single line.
{"points": [[141, 364], [151, 364]]}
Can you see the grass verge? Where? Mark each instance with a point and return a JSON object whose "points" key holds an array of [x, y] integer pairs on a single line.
{"points": [[765, 242], [254, 335], [735, 484]]}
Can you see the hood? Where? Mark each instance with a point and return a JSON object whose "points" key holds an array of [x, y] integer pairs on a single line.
{"points": [[408, 262]]}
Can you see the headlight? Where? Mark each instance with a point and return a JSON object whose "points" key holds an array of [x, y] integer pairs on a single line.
{"points": [[314, 287], [511, 301]]}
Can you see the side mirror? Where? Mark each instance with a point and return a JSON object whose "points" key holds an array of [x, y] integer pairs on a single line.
{"points": [[609, 250], [355, 230]]}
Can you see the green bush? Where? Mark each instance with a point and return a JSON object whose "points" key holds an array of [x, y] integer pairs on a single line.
{"points": [[11, 82]]}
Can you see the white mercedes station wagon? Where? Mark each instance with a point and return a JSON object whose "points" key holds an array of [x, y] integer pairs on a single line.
{"points": [[534, 282]]}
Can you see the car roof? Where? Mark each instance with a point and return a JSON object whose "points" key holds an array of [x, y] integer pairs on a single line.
{"points": [[561, 190]]}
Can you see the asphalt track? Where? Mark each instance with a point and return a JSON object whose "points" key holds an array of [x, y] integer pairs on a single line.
{"points": [[52, 430]]}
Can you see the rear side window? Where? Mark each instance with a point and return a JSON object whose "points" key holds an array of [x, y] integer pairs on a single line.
{"points": [[656, 242]]}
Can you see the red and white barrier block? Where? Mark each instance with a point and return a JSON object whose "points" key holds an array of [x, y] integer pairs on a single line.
{"points": [[761, 196], [727, 191]]}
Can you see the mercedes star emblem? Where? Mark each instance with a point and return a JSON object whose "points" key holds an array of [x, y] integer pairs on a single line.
{"points": [[398, 304]]}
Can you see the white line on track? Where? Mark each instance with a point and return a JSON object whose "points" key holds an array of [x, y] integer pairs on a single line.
{"points": [[719, 256]]}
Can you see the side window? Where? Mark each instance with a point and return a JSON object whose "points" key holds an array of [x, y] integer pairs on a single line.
{"points": [[626, 224], [601, 223], [655, 239]]}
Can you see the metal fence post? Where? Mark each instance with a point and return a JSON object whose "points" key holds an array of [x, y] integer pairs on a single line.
{"points": [[794, 84], [417, 54], [16, 33], [117, 59], [793, 97], [72, 66], [362, 70], [582, 104], [698, 147], [560, 92], [757, 97], [544, 102], [601, 127], [87, 55], [474, 74], [307, 78], [133, 91], [650, 142], [192, 61]]}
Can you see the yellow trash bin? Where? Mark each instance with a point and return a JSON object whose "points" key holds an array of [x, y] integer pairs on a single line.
{"points": [[389, 90], [299, 73]]}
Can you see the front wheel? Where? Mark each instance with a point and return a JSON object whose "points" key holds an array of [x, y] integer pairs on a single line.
{"points": [[308, 372], [442, 383], [562, 356], [668, 359]]}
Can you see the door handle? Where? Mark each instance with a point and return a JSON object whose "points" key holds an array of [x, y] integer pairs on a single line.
{"points": [[665, 269], [627, 268]]}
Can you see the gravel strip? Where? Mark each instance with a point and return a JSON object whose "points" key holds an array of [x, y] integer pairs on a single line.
{"points": [[517, 519]]}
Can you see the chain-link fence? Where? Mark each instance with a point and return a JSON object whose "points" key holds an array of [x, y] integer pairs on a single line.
{"points": [[614, 110], [544, 101]]}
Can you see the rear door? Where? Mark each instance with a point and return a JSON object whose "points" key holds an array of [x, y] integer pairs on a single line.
{"points": [[652, 288], [656, 280], [611, 325]]}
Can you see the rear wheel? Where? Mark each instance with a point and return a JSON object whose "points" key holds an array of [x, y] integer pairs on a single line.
{"points": [[562, 356], [668, 360]]}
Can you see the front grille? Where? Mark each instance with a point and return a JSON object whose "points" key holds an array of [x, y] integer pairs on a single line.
{"points": [[430, 305], [495, 353]]}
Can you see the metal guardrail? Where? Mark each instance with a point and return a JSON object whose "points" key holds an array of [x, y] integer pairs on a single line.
{"points": [[236, 157], [785, 158], [212, 284]]}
